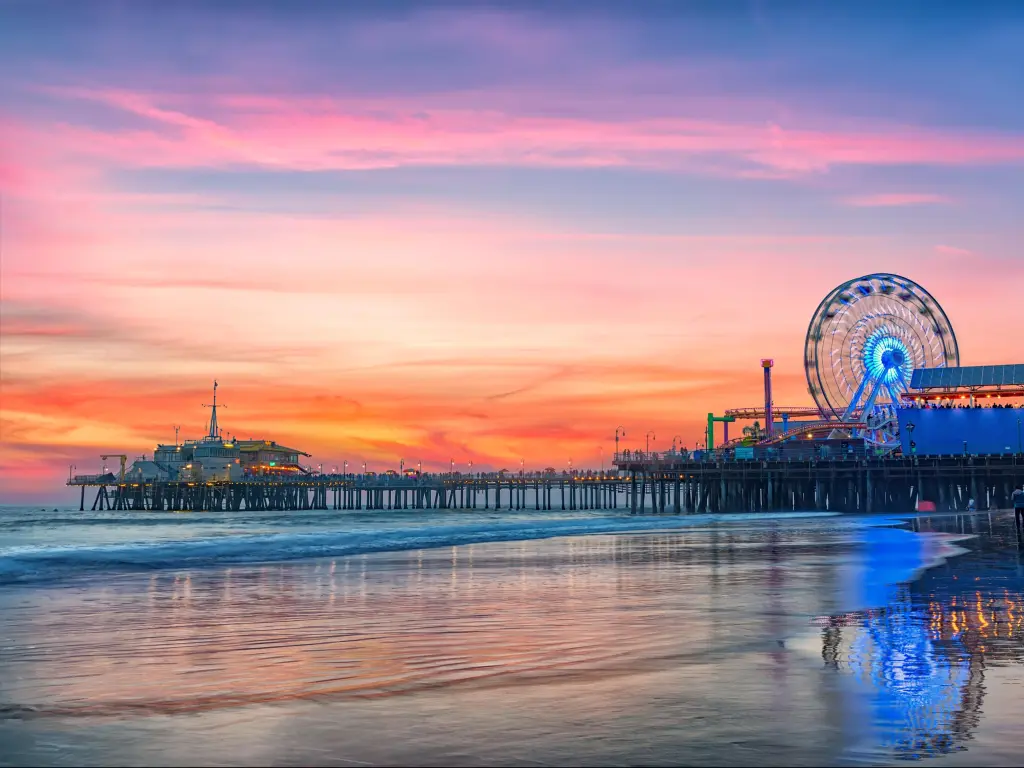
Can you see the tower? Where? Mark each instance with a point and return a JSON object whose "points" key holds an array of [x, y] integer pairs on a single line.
{"points": [[214, 428], [767, 364]]}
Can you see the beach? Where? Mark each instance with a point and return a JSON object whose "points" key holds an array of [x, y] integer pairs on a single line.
{"points": [[570, 640]]}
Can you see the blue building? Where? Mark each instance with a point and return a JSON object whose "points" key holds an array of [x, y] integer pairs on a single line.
{"points": [[946, 431]]}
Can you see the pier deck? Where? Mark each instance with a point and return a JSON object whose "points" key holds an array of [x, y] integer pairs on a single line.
{"points": [[642, 484]]}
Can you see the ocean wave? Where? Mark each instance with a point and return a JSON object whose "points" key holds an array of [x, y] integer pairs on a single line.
{"points": [[42, 563]]}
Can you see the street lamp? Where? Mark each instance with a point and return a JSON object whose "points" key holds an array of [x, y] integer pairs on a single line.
{"points": [[570, 465], [678, 438], [601, 449], [522, 467], [401, 466], [650, 436], [619, 432], [72, 467], [419, 467], [451, 467], [364, 467], [319, 469], [344, 470]]}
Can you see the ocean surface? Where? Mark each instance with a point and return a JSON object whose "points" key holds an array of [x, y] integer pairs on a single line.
{"points": [[500, 638]]}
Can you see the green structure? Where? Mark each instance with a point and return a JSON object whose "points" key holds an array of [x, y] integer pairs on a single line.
{"points": [[726, 420]]}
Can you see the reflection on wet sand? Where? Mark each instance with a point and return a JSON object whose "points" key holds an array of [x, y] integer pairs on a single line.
{"points": [[655, 649], [373, 625], [921, 659]]}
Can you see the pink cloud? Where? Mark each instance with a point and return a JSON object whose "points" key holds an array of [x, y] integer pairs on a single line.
{"points": [[950, 250], [897, 199], [325, 133]]}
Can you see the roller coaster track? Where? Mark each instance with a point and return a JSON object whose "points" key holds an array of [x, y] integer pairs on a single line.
{"points": [[762, 440], [809, 428], [757, 412]]}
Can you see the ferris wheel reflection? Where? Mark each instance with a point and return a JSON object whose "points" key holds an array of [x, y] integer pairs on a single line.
{"points": [[912, 672], [914, 681]]}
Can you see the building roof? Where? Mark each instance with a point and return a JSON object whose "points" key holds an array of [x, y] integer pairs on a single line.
{"points": [[968, 376], [151, 469], [251, 446]]}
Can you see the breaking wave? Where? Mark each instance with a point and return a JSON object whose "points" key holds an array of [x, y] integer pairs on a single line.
{"points": [[43, 563]]}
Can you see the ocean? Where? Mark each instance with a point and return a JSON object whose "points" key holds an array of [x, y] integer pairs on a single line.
{"points": [[423, 637]]}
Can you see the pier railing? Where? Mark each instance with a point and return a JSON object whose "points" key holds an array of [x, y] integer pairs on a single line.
{"points": [[795, 451]]}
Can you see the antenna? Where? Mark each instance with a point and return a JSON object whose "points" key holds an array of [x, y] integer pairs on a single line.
{"points": [[214, 430]]}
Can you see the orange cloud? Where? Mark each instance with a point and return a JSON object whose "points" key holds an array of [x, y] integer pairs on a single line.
{"points": [[554, 415]]}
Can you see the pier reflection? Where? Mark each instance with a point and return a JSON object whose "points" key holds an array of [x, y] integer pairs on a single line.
{"points": [[918, 664], [385, 625]]}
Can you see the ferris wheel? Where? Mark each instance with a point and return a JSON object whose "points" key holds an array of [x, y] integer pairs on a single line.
{"points": [[864, 341]]}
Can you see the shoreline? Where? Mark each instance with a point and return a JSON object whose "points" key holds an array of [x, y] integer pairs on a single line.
{"points": [[47, 563], [38, 564]]}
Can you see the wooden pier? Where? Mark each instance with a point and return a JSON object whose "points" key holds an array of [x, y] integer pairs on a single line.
{"points": [[854, 484], [336, 492], [643, 484]]}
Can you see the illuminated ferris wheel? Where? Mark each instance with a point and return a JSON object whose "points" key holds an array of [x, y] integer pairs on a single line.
{"points": [[864, 341]]}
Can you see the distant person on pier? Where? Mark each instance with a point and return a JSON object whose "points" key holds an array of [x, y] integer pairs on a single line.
{"points": [[1018, 505]]}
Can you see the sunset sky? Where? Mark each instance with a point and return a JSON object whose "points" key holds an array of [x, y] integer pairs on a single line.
{"points": [[477, 231]]}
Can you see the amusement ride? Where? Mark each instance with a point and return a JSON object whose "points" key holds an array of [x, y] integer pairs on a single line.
{"points": [[865, 339], [863, 342]]}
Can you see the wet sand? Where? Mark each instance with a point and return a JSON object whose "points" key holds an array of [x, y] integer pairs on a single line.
{"points": [[799, 642]]}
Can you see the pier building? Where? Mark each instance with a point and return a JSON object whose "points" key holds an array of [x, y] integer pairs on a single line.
{"points": [[970, 409], [214, 458]]}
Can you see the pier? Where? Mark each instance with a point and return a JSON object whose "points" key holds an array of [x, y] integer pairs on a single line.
{"points": [[348, 493], [883, 435], [641, 484], [853, 484]]}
